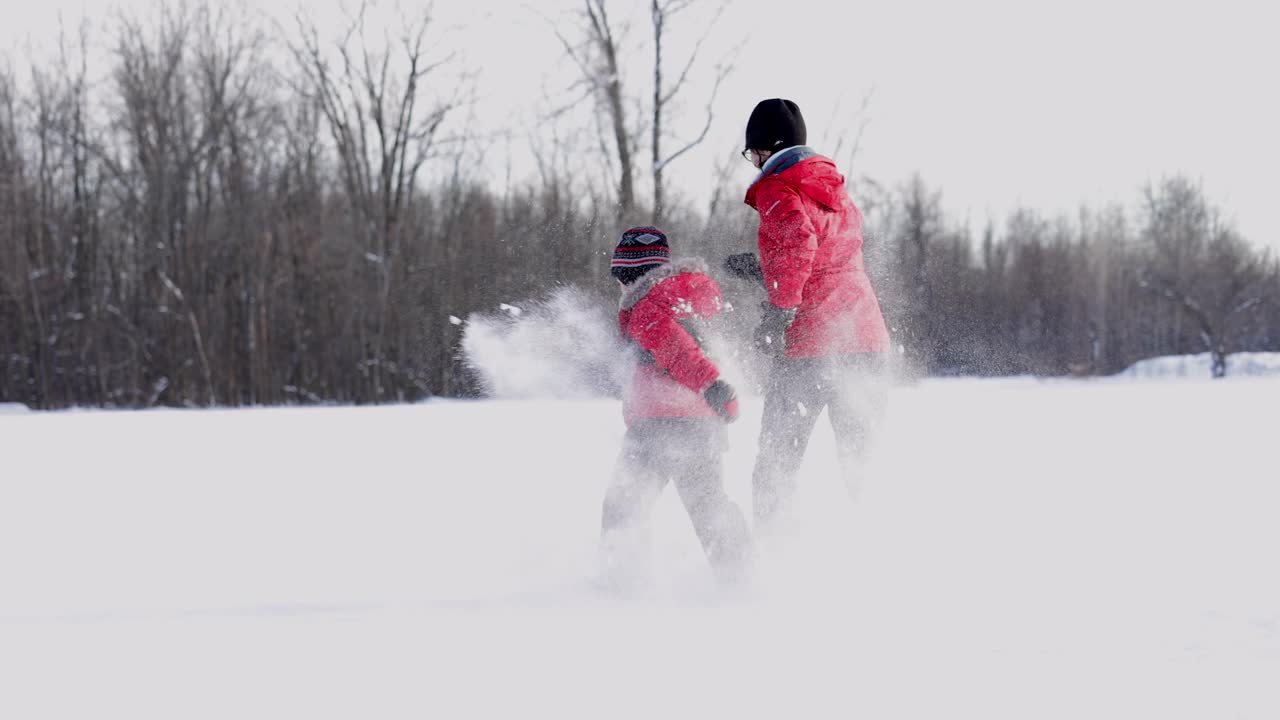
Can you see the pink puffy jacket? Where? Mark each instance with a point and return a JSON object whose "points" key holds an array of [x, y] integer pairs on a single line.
{"points": [[811, 255]]}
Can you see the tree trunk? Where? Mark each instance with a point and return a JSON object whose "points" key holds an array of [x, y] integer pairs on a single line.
{"points": [[659, 199]]}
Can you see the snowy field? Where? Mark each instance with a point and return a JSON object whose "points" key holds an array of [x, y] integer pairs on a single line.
{"points": [[1254, 364], [1019, 549]]}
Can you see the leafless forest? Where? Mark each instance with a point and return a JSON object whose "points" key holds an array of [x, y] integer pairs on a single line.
{"points": [[234, 212]]}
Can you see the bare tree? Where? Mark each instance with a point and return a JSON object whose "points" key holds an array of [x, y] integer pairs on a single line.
{"points": [[662, 13], [1103, 244], [383, 128], [17, 367], [847, 146], [920, 230], [597, 49], [1202, 267]]}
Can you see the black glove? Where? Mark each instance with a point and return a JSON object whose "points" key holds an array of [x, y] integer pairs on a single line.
{"points": [[721, 397], [771, 332], [745, 266]]}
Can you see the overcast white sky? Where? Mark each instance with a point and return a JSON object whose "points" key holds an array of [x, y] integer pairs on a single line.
{"points": [[997, 103]]}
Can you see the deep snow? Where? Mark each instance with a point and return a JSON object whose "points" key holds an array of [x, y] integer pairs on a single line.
{"points": [[1019, 549]]}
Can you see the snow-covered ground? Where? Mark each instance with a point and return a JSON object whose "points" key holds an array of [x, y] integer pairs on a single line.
{"points": [[1243, 364], [1020, 549]]}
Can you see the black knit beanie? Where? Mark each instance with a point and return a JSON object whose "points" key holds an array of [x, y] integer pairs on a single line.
{"points": [[640, 250], [775, 124]]}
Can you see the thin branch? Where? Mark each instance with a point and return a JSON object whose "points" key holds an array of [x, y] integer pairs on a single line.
{"points": [[715, 91], [693, 56]]}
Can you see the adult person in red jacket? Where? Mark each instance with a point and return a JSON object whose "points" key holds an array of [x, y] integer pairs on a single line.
{"points": [[822, 321], [676, 408]]}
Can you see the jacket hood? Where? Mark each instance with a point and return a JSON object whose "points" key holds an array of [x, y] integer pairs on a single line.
{"points": [[809, 173], [632, 293]]}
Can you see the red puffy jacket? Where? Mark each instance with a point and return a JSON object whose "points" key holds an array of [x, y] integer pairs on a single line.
{"points": [[674, 371], [811, 255]]}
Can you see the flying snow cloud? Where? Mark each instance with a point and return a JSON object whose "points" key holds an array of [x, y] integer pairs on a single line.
{"points": [[565, 345]]}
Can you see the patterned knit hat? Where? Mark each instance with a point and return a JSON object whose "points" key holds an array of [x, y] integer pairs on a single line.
{"points": [[640, 250]]}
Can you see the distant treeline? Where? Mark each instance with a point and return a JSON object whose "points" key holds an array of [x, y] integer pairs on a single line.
{"points": [[233, 218]]}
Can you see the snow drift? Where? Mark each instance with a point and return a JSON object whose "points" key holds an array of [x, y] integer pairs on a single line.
{"points": [[1200, 366]]}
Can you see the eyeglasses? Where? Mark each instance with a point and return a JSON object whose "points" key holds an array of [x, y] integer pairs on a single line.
{"points": [[754, 156]]}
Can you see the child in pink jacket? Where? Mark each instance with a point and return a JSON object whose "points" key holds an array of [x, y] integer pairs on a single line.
{"points": [[675, 407]]}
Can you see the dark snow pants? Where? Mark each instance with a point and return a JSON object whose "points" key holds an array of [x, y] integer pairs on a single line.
{"points": [[853, 390], [686, 452]]}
